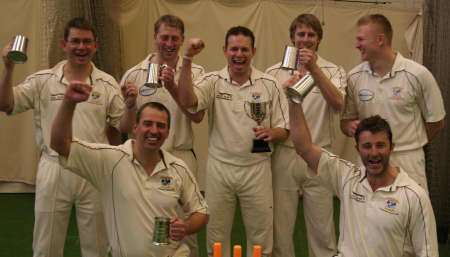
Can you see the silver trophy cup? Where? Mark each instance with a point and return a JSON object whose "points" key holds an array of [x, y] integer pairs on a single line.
{"points": [[290, 58], [18, 52], [152, 82], [301, 89], [257, 111]]}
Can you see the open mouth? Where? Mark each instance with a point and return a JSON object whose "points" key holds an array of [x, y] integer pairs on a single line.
{"points": [[170, 50], [238, 61], [151, 139], [82, 55], [374, 163]]}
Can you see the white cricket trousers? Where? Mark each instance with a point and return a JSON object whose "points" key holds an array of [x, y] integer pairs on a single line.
{"points": [[57, 190]]}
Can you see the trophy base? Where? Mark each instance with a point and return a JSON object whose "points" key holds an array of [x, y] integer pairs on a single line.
{"points": [[260, 146]]}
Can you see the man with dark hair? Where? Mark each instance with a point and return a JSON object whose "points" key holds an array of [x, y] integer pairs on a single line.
{"points": [[169, 37], [402, 91], [384, 213], [57, 190], [322, 106], [78, 23], [233, 171], [137, 181]]}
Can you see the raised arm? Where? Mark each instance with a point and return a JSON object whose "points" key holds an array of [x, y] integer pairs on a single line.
{"points": [[186, 93], [348, 126], [129, 94], [61, 135], [6, 91], [301, 136], [168, 77], [299, 132]]}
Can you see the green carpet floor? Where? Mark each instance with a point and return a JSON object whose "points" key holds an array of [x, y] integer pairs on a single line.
{"points": [[17, 217]]}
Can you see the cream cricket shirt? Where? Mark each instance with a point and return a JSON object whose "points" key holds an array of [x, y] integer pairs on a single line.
{"points": [[131, 198], [406, 97], [393, 221], [230, 127], [181, 134], [44, 91], [318, 114]]}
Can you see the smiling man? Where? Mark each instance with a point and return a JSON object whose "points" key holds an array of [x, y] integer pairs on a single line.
{"points": [[169, 37], [137, 181], [232, 169], [58, 190], [401, 91], [289, 172], [384, 213]]}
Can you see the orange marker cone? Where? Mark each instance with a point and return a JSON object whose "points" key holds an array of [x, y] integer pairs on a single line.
{"points": [[257, 251], [237, 251], [217, 249]]}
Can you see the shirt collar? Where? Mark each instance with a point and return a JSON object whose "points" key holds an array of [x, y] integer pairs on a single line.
{"points": [[401, 180], [166, 157], [58, 70], [148, 59], [254, 75], [399, 65]]}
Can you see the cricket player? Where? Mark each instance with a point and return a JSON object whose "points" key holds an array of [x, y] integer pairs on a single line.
{"points": [[233, 171], [137, 181], [169, 37], [324, 102], [384, 213], [400, 90], [56, 189]]}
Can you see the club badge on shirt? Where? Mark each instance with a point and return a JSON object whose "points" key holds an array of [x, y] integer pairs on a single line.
{"points": [[95, 95], [391, 206], [365, 95], [396, 93], [256, 96], [167, 183]]}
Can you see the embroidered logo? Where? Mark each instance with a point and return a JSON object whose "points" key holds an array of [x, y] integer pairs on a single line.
{"points": [[358, 197], [396, 93], [95, 95], [256, 97], [224, 96], [166, 181], [365, 95], [167, 184], [391, 206]]}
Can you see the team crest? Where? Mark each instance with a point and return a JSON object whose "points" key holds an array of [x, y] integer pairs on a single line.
{"points": [[166, 181], [391, 206], [396, 93], [95, 95], [256, 96], [167, 184]]}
